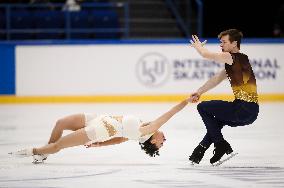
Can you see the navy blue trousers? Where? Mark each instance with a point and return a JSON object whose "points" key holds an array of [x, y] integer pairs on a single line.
{"points": [[216, 114]]}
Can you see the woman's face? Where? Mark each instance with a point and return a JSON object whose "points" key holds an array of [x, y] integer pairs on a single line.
{"points": [[158, 139]]}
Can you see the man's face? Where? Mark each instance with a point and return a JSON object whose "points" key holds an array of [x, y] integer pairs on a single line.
{"points": [[226, 45]]}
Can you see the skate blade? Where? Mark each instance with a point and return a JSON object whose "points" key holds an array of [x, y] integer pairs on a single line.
{"points": [[38, 162], [15, 154], [192, 163], [224, 160]]}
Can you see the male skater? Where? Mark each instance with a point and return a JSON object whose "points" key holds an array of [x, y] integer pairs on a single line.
{"points": [[217, 113]]}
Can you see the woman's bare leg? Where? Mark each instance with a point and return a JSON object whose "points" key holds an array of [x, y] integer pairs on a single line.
{"points": [[76, 138], [72, 122]]}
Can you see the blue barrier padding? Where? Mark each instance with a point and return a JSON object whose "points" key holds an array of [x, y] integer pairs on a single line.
{"points": [[137, 41], [7, 69]]}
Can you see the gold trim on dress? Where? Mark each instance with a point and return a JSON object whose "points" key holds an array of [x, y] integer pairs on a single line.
{"points": [[110, 128], [245, 96]]}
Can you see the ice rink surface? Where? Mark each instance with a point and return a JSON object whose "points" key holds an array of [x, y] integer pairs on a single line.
{"points": [[260, 162]]}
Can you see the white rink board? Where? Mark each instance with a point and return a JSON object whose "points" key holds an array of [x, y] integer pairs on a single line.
{"points": [[135, 69]]}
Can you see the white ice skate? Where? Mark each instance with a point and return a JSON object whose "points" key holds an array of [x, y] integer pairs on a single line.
{"points": [[29, 153], [23, 153]]}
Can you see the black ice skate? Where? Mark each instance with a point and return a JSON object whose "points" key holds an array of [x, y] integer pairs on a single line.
{"points": [[225, 159], [220, 149], [197, 154]]}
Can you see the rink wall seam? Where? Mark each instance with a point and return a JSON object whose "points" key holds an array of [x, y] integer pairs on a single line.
{"points": [[124, 98]]}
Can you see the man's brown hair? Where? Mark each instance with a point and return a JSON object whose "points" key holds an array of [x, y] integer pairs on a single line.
{"points": [[234, 35]]}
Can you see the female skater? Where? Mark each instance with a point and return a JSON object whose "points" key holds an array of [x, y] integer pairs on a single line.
{"points": [[102, 130]]}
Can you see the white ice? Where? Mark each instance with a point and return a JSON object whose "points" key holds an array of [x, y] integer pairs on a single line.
{"points": [[260, 162]]}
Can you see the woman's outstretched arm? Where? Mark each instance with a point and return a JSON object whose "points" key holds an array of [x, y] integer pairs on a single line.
{"points": [[156, 124], [112, 141]]}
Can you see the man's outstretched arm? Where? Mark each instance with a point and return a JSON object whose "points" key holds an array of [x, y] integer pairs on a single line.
{"points": [[222, 57], [211, 83]]}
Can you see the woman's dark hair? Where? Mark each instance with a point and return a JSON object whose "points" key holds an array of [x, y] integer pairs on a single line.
{"points": [[149, 148]]}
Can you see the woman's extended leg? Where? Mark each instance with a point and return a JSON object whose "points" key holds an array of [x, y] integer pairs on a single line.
{"points": [[56, 142], [72, 122], [76, 138]]}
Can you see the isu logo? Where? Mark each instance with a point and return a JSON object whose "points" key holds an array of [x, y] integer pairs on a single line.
{"points": [[152, 69]]}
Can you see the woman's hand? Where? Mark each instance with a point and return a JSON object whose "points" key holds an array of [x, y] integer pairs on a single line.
{"points": [[194, 97]]}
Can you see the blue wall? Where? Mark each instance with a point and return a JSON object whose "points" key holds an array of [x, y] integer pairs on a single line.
{"points": [[7, 69]]}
